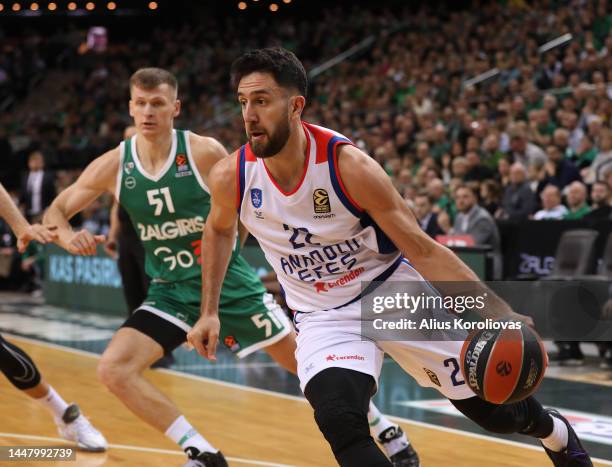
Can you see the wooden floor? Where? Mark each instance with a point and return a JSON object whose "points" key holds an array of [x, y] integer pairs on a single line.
{"points": [[251, 428]]}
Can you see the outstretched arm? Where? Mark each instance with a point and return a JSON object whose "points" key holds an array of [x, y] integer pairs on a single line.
{"points": [[218, 242], [22, 229], [97, 178], [434, 261]]}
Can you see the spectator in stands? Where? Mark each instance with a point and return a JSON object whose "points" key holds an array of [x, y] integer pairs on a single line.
{"points": [[476, 221], [37, 187], [437, 195], [518, 201], [427, 219], [559, 170], [602, 164], [522, 150], [459, 168], [491, 152], [569, 121], [503, 172], [576, 201], [490, 196], [561, 139], [476, 171], [537, 177], [552, 208], [586, 153], [600, 202]]}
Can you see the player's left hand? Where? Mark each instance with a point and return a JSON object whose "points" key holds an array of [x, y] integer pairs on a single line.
{"points": [[204, 336], [36, 232]]}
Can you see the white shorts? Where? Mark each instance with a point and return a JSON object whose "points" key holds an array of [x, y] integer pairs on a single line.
{"points": [[333, 338]]}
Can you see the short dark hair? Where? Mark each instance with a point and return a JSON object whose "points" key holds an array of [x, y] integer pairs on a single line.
{"points": [[150, 78], [424, 194], [465, 186], [282, 64]]}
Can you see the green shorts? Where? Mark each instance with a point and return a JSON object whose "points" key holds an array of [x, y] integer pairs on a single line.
{"points": [[248, 323]]}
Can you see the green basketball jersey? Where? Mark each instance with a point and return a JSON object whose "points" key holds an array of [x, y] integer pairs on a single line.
{"points": [[169, 211]]}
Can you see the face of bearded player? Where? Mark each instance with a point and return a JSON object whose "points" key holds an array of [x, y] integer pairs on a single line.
{"points": [[265, 109]]}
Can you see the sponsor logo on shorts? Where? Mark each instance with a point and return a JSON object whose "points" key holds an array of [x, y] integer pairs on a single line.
{"points": [[309, 368], [231, 343], [337, 358], [432, 376], [326, 286]]}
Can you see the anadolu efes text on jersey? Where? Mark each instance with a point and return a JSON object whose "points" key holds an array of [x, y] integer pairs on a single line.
{"points": [[321, 244]]}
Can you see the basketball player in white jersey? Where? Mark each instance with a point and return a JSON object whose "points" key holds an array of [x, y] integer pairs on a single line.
{"points": [[136, 172], [17, 365], [327, 217]]}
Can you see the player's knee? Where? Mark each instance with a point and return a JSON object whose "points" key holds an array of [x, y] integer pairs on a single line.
{"points": [[341, 423], [113, 374], [18, 367], [283, 352]]}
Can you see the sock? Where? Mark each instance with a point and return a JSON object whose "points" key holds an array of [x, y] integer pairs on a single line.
{"points": [[557, 440], [186, 436], [54, 403], [378, 422]]}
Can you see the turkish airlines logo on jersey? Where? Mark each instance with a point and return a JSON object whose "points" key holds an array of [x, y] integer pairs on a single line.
{"points": [[327, 286], [320, 199], [335, 358]]}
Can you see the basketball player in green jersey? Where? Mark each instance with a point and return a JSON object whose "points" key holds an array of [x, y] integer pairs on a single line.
{"points": [[160, 178]]}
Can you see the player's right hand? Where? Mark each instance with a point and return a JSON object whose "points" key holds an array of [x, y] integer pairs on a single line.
{"points": [[36, 232], [204, 336], [84, 243]]}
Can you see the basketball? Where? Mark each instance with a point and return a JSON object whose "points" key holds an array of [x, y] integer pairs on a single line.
{"points": [[503, 366]]}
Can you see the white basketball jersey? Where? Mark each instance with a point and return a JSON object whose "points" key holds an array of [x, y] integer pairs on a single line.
{"points": [[319, 242]]}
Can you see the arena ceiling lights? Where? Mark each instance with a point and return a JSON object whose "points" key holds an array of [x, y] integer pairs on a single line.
{"points": [[78, 7], [272, 5]]}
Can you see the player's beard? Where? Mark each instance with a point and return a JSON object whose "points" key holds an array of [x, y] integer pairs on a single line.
{"points": [[276, 141]]}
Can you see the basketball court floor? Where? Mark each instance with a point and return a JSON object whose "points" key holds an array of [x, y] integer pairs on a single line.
{"points": [[253, 410]]}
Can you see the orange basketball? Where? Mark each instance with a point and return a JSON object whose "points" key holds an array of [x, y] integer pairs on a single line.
{"points": [[503, 366]]}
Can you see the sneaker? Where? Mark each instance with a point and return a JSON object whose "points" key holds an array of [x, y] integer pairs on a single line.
{"points": [[568, 355], [73, 426], [204, 459], [574, 455], [398, 449]]}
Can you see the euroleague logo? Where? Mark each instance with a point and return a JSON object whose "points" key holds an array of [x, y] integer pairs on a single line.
{"points": [[503, 368], [320, 200], [182, 167]]}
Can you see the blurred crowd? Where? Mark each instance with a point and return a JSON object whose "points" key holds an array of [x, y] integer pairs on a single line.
{"points": [[533, 141]]}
